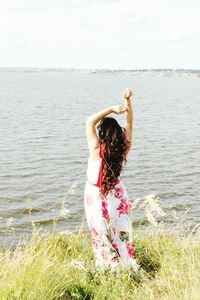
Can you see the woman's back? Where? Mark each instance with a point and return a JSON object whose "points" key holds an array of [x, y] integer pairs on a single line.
{"points": [[93, 170]]}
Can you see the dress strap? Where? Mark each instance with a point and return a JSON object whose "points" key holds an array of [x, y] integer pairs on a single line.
{"points": [[101, 154]]}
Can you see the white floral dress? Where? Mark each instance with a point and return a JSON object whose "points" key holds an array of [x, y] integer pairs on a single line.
{"points": [[109, 222]]}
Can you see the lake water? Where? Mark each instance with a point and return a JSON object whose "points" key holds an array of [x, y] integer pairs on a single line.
{"points": [[43, 149]]}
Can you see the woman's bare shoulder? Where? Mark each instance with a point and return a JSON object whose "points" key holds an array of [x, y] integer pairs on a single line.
{"points": [[94, 153]]}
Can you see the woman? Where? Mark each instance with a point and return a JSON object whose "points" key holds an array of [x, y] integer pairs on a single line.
{"points": [[106, 201]]}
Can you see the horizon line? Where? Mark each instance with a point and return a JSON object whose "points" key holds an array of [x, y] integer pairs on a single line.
{"points": [[105, 69]]}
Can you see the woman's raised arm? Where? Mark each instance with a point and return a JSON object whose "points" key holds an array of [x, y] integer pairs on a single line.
{"points": [[128, 118], [91, 121]]}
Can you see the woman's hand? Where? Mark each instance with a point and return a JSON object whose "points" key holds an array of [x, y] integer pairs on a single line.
{"points": [[117, 109], [127, 94]]}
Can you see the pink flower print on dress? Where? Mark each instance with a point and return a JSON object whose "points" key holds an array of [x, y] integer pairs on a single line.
{"points": [[115, 247], [95, 242], [89, 199], [119, 192], [124, 206], [130, 249], [113, 230], [117, 181], [105, 254], [105, 209], [93, 231]]}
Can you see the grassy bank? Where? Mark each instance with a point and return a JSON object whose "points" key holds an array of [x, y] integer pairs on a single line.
{"points": [[61, 267]]}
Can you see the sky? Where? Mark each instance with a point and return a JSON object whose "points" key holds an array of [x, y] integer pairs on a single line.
{"points": [[111, 34]]}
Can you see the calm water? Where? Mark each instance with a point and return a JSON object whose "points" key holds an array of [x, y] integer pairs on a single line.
{"points": [[43, 148]]}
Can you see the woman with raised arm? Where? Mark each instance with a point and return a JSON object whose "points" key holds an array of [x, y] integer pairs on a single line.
{"points": [[106, 202]]}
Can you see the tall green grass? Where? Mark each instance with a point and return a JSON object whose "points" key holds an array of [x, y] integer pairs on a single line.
{"points": [[61, 266]]}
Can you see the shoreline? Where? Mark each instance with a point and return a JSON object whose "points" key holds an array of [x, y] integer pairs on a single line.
{"points": [[177, 72]]}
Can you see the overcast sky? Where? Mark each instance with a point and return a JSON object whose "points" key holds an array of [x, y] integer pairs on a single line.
{"points": [[128, 34]]}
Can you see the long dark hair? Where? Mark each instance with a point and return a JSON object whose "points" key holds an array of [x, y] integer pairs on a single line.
{"points": [[112, 135]]}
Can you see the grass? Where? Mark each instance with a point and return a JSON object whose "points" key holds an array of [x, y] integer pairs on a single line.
{"points": [[61, 266]]}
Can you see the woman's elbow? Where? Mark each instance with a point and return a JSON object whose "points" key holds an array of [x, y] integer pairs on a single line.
{"points": [[128, 144], [89, 121]]}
